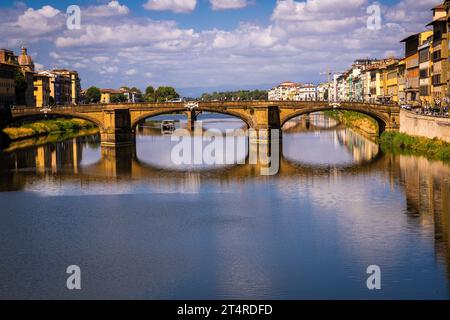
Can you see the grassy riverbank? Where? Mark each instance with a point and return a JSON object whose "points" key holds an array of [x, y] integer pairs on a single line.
{"points": [[47, 127], [355, 119], [404, 144]]}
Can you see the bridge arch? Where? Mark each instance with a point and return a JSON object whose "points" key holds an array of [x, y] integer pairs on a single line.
{"points": [[137, 118], [381, 119]]}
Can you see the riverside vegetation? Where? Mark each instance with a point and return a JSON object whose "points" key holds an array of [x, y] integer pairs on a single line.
{"points": [[47, 127], [402, 143], [395, 142]]}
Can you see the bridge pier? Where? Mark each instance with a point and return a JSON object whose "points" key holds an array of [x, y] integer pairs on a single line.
{"points": [[192, 116], [117, 128]]}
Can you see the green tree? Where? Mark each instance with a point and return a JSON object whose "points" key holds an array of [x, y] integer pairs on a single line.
{"points": [[150, 94], [93, 95], [166, 93], [135, 90], [21, 87], [118, 98]]}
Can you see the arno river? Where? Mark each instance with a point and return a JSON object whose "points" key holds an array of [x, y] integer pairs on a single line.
{"points": [[141, 227]]}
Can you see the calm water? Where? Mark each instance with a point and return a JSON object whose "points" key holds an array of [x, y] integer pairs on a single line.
{"points": [[141, 227]]}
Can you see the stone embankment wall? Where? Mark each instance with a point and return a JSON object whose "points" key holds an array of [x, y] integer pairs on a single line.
{"points": [[424, 126]]}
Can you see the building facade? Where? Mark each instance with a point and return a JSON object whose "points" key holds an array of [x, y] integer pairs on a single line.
{"points": [[8, 67], [41, 90]]}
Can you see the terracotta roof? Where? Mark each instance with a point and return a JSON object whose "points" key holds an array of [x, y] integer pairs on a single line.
{"points": [[112, 91]]}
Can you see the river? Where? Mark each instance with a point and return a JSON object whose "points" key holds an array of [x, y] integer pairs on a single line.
{"points": [[141, 227]]}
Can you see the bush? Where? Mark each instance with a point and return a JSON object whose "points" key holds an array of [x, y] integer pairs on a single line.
{"points": [[46, 127], [402, 143]]}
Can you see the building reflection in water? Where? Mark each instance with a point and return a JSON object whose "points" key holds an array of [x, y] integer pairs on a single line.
{"points": [[427, 188]]}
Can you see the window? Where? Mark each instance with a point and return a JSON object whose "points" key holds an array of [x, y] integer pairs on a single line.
{"points": [[437, 55], [424, 73], [437, 35], [437, 79]]}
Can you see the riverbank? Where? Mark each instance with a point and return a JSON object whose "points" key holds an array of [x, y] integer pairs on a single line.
{"points": [[53, 138], [355, 120], [47, 127], [402, 143]]}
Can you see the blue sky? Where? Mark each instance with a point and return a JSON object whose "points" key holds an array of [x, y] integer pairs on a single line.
{"points": [[212, 44]]}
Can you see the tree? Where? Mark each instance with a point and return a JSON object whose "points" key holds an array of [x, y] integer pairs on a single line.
{"points": [[150, 94], [135, 90], [21, 87], [118, 98], [165, 93], [93, 95]]}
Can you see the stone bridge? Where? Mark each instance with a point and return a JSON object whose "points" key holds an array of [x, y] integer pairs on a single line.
{"points": [[117, 122]]}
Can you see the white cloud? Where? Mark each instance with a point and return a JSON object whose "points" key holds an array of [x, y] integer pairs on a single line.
{"points": [[101, 59], [177, 6], [301, 40], [113, 8], [228, 4], [130, 33], [108, 69], [33, 24], [38, 66]]}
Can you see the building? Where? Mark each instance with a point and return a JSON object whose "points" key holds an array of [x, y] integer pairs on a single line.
{"points": [[324, 91], [60, 88], [390, 81], [108, 95], [27, 66], [425, 69], [71, 79], [41, 90], [401, 69], [439, 74], [8, 67], [306, 92], [132, 95], [286, 91]]}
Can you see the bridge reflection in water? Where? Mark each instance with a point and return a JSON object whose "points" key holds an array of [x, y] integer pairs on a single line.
{"points": [[81, 166]]}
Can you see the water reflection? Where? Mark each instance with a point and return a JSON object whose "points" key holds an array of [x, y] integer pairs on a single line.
{"points": [[225, 231]]}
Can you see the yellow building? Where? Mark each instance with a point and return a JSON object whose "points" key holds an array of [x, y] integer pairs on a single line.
{"points": [[41, 90], [401, 69], [425, 68], [391, 80], [108, 94]]}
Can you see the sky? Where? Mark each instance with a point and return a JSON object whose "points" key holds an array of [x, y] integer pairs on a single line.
{"points": [[201, 46]]}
